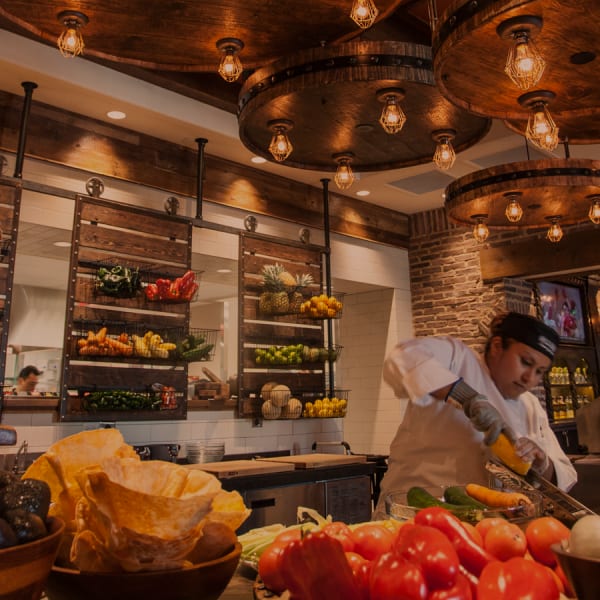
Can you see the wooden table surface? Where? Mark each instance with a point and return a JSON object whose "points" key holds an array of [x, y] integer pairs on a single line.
{"points": [[241, 585]]}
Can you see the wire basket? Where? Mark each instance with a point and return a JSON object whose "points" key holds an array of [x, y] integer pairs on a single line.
{"points": [[172, 290], [126, 340], [197, 345], [324, 405], [117, 280], [322, 306], [294, 355], [284, 302]]}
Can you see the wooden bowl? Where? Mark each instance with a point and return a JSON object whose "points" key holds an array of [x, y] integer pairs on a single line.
{"points": [[583, 573], [24, 569], [204, 581]]}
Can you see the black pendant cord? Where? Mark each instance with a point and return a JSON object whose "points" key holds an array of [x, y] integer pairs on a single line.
{"points": [[200, 175], [28, 86], [327, 240]]}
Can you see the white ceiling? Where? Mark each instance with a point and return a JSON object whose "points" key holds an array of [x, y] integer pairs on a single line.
{"points": [[86, 88]]}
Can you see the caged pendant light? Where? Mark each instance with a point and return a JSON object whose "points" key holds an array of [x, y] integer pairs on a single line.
{"points": [[70, 42], [280, 146], [230, 67], [444, 155], [480, 231], [344, 177], [364, 13], [524, 64], [392, 117]]}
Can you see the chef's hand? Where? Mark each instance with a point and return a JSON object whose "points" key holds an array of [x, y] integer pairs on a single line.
{"points": [[528, 451], [486, 418]]}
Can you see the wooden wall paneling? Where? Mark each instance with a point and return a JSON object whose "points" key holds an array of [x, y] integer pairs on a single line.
{"points": [[53, 134], [578, 250], [107, 233], [10, 205]]}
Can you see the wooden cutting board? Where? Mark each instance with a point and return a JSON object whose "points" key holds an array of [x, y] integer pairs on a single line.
{"points": [[314, 460], [238, 468]]}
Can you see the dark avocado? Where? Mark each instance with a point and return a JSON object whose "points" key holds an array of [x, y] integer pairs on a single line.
{"points": [[32, 495], [8, 537], [26, 525]]}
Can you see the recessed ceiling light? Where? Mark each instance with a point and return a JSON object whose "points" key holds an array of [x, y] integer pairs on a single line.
{"points": [[116, 114], [363, 193], [223, 270], [258, 160], [62, 244]]}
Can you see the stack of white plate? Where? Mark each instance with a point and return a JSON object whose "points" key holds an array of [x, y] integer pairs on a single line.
{"points": [[195, 452], [214, 451]]}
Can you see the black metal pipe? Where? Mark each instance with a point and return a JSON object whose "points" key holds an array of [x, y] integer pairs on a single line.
{"points": [[200, 175], [327, 267], [28, 86]]}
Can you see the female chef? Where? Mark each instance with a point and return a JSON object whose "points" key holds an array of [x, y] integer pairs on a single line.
{"points": [[461, 401]]}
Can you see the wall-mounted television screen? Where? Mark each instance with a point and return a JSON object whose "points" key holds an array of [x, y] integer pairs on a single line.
{"points": [[563, 310]]}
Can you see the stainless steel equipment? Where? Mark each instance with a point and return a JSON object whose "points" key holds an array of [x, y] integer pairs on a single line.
{"points": [[555, 502]]}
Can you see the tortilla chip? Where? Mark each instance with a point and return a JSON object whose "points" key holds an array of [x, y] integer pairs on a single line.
{"points": [[229, 508], [59, 465], [125, 514]]}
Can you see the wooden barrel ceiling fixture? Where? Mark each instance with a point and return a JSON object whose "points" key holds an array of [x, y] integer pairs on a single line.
{"points": [[374, 101], [479, 49]]}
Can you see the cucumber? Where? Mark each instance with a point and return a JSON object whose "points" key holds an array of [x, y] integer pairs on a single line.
{"points": [[419, 497], [456, 494]]}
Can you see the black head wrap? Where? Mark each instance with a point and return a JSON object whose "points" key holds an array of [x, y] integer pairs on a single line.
{"points": [[528, 330]]}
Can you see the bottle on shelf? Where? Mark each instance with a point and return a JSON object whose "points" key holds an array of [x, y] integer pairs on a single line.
{"points": [[569, 412]]}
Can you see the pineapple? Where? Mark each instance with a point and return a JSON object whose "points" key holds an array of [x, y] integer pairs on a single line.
{"points": [[287, 279], [275, 297], [296, 297]]}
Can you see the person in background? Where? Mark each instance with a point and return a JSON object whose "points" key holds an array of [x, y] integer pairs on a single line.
{"points": [[460, 402], [27, 380]]}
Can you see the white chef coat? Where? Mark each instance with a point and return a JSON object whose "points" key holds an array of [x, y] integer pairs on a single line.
{"points": [[436, 444]]}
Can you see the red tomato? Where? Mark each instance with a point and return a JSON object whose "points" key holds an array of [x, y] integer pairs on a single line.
{"points": [[486, 524], [372, 540], [393, 577], [541, 533], [429, 548], [505, 540], [516, 579], [341, 532], [269, 568]]}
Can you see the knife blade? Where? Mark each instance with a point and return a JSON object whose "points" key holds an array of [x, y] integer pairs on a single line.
{"points": [[555, 502]]}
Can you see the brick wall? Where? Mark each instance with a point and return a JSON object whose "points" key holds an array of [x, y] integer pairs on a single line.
{"points": [[448, 294]]}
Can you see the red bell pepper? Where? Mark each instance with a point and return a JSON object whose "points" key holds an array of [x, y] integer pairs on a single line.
{"points": [[461, 590], [315, 568], [472, 556], [173, 292], [432, 551], [189, 293], [151, 291], [187, 280], [163, 286]]}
